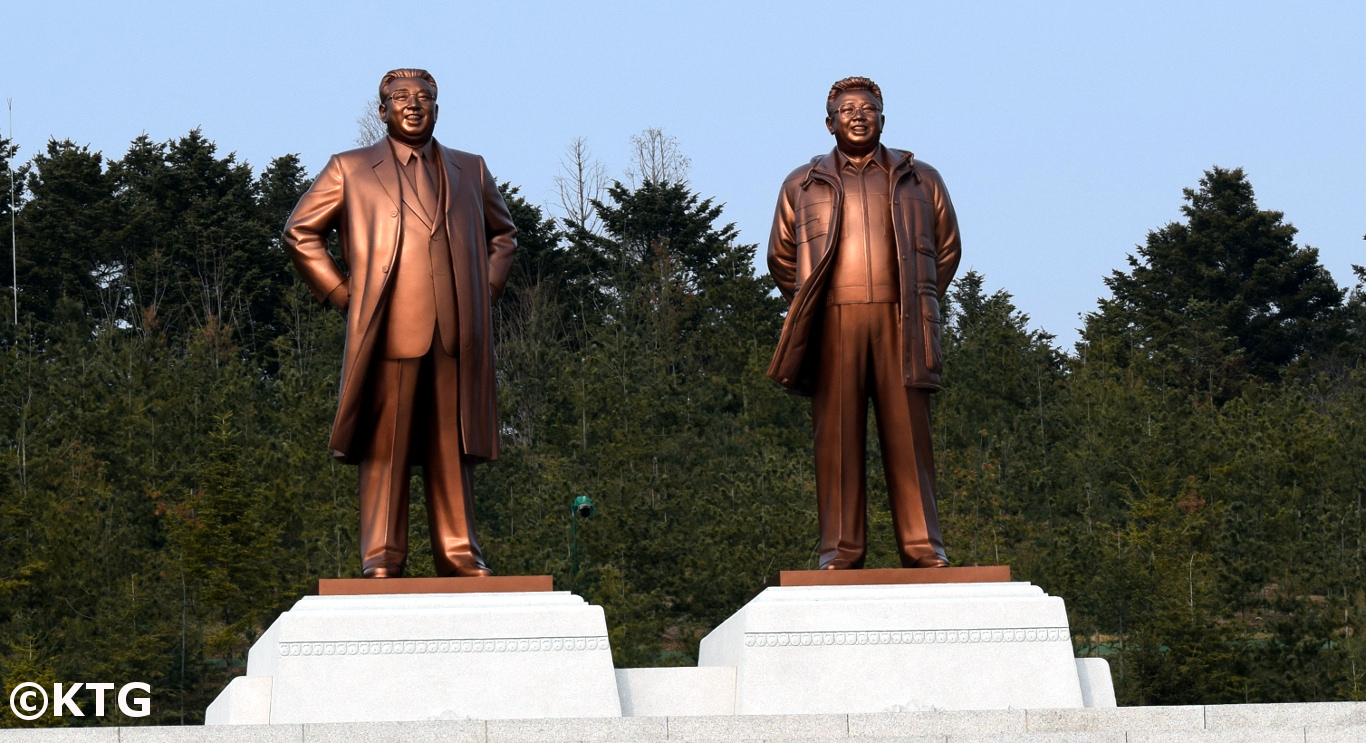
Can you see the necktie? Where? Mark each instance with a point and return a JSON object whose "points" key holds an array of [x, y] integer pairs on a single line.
{"points": [[426, 190]]}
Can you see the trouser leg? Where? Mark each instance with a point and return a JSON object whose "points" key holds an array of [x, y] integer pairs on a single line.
{"points": [[447, 476], [839, 411], [384, 468], [903, 420]]}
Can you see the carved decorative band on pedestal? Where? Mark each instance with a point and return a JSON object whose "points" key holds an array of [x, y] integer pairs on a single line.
{"points": [[906, 637], [429, 647]]}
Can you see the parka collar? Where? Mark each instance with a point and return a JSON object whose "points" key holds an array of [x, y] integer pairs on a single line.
{"points": [[826, 167]]}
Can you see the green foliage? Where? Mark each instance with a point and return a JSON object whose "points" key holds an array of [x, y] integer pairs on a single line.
{"points": [[1224, 296], [1190, 481], [651, 401], [64, 229], [145, 532]]}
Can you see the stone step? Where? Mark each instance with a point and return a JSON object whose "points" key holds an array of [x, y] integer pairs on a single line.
{"points": [[1329, 722]]}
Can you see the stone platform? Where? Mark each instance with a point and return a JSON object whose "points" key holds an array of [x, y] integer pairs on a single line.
{"points": [[817, 642], [910, 645], [1333, 722], [418, 656]]}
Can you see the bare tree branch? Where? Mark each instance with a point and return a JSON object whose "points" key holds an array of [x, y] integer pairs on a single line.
{"points": [[371, 126], [657, 158], [581, 181]]}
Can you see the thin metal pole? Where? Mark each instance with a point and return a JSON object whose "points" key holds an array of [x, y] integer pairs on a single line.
{"points": [[13, 207], [573, 549]]}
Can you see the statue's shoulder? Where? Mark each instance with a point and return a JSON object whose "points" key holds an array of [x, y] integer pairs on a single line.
{"points": [[925, 168], [926, 175], [460, 158], [799, 174], [363, 156]]}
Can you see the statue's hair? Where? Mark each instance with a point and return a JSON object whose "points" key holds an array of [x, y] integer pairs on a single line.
{"points": [[848, 84], [402, 72]]}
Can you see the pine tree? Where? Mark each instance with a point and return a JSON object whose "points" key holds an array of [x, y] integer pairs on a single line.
{"points": [[1222, 297], [64, 233]]}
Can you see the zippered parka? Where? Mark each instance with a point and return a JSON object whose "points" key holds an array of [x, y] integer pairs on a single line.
{"points": [[801, 253]]}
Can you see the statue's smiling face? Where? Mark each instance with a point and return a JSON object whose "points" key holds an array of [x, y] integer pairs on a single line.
{"points": [[857, 122], [409, 110]]}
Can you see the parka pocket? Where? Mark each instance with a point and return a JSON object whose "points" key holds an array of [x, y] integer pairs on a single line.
{"points": [[812, 222], [930, 323]]}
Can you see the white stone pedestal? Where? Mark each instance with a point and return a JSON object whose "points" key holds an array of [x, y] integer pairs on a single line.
{"points": [[397, 657], [872, 648]]}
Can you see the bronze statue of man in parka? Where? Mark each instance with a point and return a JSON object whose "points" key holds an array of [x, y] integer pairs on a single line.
{"points": [[427, 243], [864, 244]]}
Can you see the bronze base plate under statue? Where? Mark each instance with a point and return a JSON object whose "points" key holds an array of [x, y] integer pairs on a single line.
{"points": [[892, 576], [486, 584]]}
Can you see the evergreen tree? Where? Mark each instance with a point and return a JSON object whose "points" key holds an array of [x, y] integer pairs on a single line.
{"points": [[64, 232], [994, 420], [165, 402], [1221, 297], [653, 403]]}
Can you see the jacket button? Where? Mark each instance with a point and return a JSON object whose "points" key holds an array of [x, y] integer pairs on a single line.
{"points": [[393, 214], [386, 269]]}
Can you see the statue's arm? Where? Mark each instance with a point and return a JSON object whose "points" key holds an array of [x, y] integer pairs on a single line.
{"points": [[499, 231], [948, 243], [782, 246], [306, 231]]}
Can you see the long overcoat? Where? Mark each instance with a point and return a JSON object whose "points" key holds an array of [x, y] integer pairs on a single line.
{"points": [[357, 194], [801, 253]]}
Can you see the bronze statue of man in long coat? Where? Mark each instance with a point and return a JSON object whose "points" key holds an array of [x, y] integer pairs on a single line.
{"points": [[864, 244], [426, 244]]}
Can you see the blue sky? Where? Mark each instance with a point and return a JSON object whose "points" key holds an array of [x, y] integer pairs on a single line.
{"points": [[1065, 131]]}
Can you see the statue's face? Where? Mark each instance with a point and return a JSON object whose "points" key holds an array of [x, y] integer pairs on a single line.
{"points": [[409, 110], [857, 122]]}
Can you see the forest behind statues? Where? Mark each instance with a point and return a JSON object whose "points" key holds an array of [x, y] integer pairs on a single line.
{"points": [[1189, 476]]}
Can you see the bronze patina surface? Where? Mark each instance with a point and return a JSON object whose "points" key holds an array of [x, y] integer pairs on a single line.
{"points": [[864, 244], [426, 246], [893, 576], [485, 584]]}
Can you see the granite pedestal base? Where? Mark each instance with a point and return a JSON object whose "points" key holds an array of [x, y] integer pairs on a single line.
{"points": [[891, 648], [400, 657]]}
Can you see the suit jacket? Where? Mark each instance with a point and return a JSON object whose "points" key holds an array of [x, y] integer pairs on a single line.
{"points": [[801, 253], [358, 195]]}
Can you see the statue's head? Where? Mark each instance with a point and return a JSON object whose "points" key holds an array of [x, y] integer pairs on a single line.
{"points": [[853, 113], [407, 105]]}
